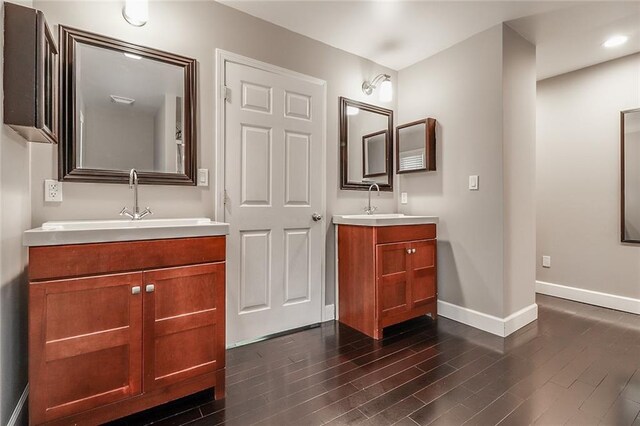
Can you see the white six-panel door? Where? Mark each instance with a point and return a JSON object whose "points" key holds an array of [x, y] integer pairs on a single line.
{"points": [[273, 179]]}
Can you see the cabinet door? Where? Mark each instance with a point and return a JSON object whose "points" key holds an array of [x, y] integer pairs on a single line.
{"points": [[394, 290], [85, 338], [183, 323], [422, 263]]}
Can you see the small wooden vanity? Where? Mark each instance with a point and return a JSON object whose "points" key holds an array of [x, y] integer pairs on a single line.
{"points": [[387, 274], [118, 327]]}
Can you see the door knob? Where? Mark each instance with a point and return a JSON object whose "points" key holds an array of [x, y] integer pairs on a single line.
{"points": [[150, 288], [135, 290], [317, 217], [408, 251]]}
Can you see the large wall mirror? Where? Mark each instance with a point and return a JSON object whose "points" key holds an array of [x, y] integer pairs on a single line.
{"points": [[630, 135], [125, 106], [366, 146]]}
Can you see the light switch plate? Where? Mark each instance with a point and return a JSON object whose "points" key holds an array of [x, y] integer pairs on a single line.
{"points": [[474, 183], [546, 261], [403, 198], [203, 177], [52, 191]]}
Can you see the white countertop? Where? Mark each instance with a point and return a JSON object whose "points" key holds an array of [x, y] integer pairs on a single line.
{"points": [[104, 231], [391, 219]]}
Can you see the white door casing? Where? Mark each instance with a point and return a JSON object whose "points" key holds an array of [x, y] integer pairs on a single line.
{"points": [[274, 179]]}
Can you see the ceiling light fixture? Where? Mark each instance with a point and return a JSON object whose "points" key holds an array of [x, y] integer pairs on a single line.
{"points": [[132, 56], [615, 41], [136, 12], [122, 100], [383, 81]]}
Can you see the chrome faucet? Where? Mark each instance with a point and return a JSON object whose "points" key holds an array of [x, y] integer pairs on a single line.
{"points": [[135, 214], [369, 209]]}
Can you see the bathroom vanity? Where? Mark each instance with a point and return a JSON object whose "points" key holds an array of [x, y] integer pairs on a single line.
{"points": [[387, 268], [123, 316]]}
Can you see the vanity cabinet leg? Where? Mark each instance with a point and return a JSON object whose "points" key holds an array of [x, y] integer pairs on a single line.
{"points": [[377, 333], [219, 389]]}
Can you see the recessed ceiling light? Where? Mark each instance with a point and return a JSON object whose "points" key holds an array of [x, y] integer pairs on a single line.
{"points": [[615, 41], [132, 56], [122, 100]]}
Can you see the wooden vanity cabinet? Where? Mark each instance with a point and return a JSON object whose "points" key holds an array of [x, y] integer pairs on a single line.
{"points": [[387, 275], [135, 334]]}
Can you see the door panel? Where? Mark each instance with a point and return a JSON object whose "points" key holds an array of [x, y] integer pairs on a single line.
{"points": [[423, 271], [394, 290], [274, 129], [183, 323], [89, 331]]}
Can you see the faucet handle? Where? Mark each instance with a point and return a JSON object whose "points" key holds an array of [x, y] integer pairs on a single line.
{"points": [[146, 212], [125, 212]]}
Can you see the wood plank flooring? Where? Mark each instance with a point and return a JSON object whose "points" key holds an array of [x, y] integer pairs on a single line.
{"points": [[577, 365]]}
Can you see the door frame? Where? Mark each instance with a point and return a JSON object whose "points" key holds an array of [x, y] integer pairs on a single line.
{"points": [[221, 58]]}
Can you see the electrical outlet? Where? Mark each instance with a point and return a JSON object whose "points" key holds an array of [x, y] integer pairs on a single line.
{"points": [[52, 191], [203, 177], [546, 261], [474, 183], [403, 198]]}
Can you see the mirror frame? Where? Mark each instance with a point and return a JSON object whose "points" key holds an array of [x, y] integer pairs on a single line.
{"points": [[429, 145], [344, 154], [622, 180], [67, 150]]}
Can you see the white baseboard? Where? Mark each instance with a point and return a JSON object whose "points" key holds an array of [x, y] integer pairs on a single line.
{"points": [[606, 300], [329, 313], [20, 406], [499, 326]]}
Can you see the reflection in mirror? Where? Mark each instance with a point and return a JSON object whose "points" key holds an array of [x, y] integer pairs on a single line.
{"points": [[366, 145], [416, 146], [374, 148], [126, 107], [630, 133]]}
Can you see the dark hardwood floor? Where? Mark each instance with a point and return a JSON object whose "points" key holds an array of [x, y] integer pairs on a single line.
{"points": [[577, 365]]}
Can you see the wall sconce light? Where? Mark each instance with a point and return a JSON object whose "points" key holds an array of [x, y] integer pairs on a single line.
{"points": [[136, 12], [385, 94]]}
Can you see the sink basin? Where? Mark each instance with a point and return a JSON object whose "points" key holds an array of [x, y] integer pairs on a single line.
{"points": [[102, 231], [383, 219]]}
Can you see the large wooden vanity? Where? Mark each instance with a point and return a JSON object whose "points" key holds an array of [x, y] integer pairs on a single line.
{"points": [[118, 327], [387, 274]]}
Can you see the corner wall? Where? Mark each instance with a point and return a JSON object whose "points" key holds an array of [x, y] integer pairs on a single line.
{"points": [[15, 217], [482, 92], [578, 184]]}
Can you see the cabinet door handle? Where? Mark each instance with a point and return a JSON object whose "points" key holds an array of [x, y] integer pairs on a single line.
{"points": [[413, 250], [135, 290], [150, 288], [408, 251]]}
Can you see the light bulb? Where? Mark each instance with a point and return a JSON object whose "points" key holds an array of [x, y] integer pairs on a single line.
{"points": [[385, 93], [136, 12]]}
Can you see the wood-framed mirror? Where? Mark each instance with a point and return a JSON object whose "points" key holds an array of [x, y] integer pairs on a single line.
{"points": [[416, 146], [630, 167], [366, 146], [125, 106]]}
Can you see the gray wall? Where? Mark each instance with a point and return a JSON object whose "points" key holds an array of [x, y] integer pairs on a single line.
{"points": [[469, 88], [578, 178], [15, 217], [196, 29]]}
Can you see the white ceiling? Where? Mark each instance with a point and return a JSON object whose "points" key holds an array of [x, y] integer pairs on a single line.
{"points": [[400, 33]]}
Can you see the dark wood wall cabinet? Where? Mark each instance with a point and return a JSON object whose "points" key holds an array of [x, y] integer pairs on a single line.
{"points": [[129, 335], [387, 275], [30, 75]]}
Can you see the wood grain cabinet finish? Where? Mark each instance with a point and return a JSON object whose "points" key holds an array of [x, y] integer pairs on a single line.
{"points": [[107, 345], [386, 275]]}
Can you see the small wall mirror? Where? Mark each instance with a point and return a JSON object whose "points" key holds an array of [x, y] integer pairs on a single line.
{"points": [[125, 106], [630, 135], [416, 146], [366, 146]]}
